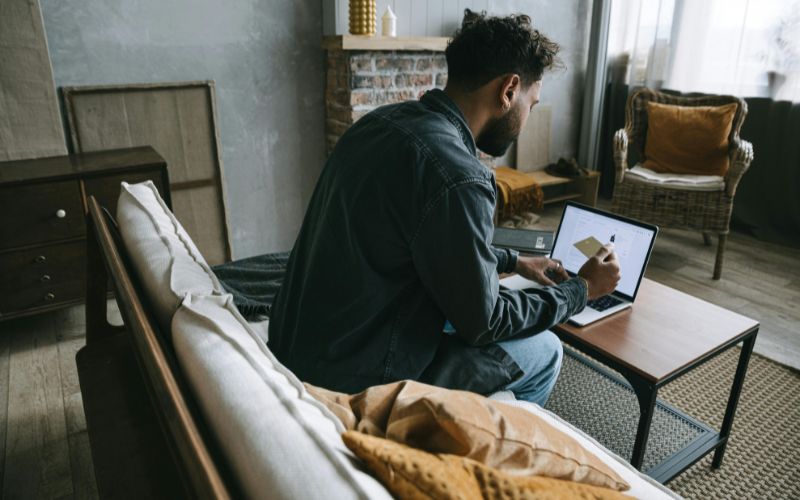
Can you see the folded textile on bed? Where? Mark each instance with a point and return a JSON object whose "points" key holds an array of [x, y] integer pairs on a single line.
{"points": [[253, 282]]}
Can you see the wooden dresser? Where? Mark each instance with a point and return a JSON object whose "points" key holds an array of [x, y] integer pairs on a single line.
{"points": [[42, 221]]}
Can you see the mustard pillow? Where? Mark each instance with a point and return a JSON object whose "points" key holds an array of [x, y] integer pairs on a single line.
{"points": [[415, 474], [463, 423], [688, 139]]}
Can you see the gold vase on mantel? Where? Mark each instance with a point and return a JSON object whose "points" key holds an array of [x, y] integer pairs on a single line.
{"points": [[362, 17]]}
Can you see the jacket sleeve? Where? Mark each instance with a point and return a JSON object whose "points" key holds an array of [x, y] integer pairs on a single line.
{"points": [[506, 259], [452, 253]]}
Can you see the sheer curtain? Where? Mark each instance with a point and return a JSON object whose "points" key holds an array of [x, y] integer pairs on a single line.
{"points": [[749, 48]]}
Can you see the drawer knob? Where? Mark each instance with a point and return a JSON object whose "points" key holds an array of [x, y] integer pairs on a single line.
{"points": [[61, 213], [40, 259], [49, 296], [45, 278]]}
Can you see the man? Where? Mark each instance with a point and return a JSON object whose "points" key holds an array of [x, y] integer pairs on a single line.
{"points": [[393, 275]]}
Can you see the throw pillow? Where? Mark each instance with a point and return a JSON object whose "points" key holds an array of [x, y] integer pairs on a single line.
{"points": [[415, 474], [688, 139], [470, 425]]}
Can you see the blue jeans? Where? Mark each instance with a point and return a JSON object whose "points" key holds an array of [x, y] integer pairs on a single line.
{"points": [[539, 358]]}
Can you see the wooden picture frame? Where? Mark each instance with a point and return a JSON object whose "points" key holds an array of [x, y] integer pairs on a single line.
{"points": [[179, 120]]}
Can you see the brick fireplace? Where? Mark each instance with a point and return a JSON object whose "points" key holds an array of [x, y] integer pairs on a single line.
{"points": [[366, 72]]}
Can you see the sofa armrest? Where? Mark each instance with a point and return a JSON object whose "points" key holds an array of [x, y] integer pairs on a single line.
{"points": [[131, 455], [741, 155], [620, 154]]}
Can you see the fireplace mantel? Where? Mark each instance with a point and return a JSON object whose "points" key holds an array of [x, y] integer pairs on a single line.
{"points": [[378, 43]]}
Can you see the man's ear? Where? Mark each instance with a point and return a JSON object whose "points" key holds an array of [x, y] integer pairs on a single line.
{"points": [[510, 87]]}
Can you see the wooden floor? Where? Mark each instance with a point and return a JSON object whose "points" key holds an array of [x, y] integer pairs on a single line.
{"points": [[44, 449]]}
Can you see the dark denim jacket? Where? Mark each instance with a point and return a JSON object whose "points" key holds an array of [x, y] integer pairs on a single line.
{"points": [[396, 238]]}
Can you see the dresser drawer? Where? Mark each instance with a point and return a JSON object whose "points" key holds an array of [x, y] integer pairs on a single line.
{"points": [[42, 276], [38, 213]]}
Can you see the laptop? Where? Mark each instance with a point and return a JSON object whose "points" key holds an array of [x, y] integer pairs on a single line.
{"points": [[582, 231]]}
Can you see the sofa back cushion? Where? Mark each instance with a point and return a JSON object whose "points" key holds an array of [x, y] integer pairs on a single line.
{"points": [[167, 262], [277, 439]]}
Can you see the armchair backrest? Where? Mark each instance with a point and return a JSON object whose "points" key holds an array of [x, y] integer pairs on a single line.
{"points": [[636, 112]]}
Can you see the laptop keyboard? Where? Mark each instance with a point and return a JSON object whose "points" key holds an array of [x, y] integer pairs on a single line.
{"points": [[604, 302]]}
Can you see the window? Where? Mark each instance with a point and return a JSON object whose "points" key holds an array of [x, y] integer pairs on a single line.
{"points": [[742, 47]]}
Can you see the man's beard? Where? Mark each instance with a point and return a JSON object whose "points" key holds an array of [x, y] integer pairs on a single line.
{"points": [[499, 134]]}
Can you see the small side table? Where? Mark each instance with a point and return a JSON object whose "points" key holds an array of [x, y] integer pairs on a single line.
{"points": [[664, 335]]}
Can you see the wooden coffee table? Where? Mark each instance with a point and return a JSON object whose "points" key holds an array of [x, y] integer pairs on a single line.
{"points": [[664, 335]]}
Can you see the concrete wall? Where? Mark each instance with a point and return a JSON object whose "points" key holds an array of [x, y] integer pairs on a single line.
{"points": [[565, 21], [266, 60]]}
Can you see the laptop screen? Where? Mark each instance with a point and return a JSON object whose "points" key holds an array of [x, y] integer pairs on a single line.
{"points": [[584, 230]]}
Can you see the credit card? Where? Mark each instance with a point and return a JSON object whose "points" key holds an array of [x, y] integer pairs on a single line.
{"points": [[589, 246]]}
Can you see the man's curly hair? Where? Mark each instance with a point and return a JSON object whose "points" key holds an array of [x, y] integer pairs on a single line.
{"points": [[487, 47]]}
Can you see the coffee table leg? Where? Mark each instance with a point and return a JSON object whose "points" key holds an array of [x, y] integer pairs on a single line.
{"points": [[646, 394], [733, 399]]}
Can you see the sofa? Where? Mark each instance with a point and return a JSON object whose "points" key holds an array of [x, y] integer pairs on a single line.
{"points": [[186, 400]]}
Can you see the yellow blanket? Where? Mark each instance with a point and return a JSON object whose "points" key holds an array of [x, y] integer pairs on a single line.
{"points": [[519, 192]]}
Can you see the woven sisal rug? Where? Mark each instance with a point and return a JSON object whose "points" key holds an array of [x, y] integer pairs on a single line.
{"points": [[763, 455]]}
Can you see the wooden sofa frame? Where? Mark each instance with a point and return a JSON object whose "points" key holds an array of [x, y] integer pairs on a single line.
{"points": [[147, 436]]}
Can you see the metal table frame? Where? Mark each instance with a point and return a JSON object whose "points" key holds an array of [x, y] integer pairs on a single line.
{"points": [[647, 393]]}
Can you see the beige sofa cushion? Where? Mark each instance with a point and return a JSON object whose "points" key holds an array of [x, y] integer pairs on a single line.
{"points": [[278, 440], [467, 424], [167, 262]]}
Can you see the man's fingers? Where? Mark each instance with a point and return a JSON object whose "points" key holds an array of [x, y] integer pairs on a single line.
{"points": [[604, 251], [557, 270], [544, 280]]}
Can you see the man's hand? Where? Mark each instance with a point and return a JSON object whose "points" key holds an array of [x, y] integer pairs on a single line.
{"points": [[538, 268], [601, 272]]}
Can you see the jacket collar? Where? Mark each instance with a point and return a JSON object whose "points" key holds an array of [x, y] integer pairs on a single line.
{"points": [[440, 102]]}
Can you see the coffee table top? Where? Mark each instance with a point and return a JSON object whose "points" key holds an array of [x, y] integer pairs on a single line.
{"points": [[665, 331]]}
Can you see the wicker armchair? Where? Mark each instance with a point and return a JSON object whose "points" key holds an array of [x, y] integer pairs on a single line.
{"points": [[705, 211]]}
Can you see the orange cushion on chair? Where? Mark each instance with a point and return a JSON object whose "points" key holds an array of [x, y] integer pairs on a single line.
{"points": [[688, 139]]}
